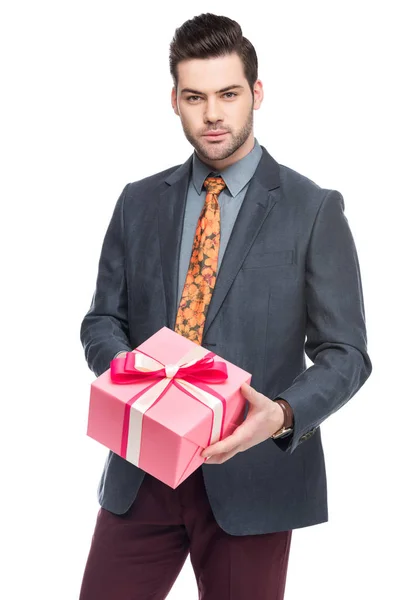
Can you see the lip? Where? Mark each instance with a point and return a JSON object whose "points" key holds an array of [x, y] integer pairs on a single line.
{"points": [[215, 134]]}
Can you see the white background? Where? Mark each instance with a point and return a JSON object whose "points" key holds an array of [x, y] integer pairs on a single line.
{"points": [[86, 109]]}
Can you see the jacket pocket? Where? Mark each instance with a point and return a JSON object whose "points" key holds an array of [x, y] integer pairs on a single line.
{"points": [[268, 259]]}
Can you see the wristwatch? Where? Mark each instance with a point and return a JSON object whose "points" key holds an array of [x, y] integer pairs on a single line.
{"points": [[287, 428]]}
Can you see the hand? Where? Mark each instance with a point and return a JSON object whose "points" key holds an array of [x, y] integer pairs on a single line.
{"points": [[264, 418]]}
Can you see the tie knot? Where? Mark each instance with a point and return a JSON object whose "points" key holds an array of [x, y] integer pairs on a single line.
{"points": [[215, 185]]}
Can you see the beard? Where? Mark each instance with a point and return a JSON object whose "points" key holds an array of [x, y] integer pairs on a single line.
{"points": [[218, 151]]}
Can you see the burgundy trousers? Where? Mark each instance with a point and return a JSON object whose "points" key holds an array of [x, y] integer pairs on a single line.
{"points": [[139, 555]]}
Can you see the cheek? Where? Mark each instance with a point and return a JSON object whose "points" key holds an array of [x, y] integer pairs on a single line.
{"points": [[191, 120], [241, 113]]}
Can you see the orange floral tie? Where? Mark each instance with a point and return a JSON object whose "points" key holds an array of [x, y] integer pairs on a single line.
{"points": [[202, 272]]}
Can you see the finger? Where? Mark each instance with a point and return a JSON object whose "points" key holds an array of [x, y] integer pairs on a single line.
{"points": [[225, 446], [228, 444], [221, 458], [251, 394]]}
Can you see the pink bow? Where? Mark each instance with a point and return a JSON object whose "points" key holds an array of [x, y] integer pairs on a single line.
{"points": [[123, 370]]}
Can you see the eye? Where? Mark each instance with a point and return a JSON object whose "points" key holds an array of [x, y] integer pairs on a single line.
{"points": [[230, 96]]}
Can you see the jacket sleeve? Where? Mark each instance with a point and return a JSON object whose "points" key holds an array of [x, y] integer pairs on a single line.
{"points": [[336, 338], [104, 329]]}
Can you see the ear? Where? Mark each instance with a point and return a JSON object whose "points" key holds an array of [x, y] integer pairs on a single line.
{"points": [[174, 101], [258, 94]]}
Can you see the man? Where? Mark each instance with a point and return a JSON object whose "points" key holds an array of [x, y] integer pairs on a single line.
{"points": [[257, 263]]}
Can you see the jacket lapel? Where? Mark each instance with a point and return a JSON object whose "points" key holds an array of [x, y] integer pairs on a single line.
{"points": [[256, 206], [171, 214]]}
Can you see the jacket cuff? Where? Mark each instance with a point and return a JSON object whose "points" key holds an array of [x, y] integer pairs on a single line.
{"points": [[290, 442]]}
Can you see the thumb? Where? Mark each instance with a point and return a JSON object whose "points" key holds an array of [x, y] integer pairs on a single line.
{"points": [[251, 394]]}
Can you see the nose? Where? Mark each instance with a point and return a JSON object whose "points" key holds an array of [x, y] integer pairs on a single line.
{"points": [[212, 112]]}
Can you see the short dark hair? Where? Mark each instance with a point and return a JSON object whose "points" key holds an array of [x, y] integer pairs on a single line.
{"points": [[210, 36]]}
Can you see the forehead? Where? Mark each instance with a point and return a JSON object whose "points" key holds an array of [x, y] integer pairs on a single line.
{"points": [[210, 74]]}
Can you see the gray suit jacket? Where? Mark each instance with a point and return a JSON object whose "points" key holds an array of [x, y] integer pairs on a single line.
{"points": [[289, 284]]}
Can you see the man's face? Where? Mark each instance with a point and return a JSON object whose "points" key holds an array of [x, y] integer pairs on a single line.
{"points": [[213, 96]]}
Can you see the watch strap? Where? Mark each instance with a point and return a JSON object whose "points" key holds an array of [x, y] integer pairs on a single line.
{"points": [[287, 412], [287, 427]]}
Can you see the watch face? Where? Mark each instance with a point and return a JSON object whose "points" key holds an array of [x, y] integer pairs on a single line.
{"points": [[284, 433]]}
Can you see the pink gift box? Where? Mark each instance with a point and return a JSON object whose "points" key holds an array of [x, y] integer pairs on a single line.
{"points": [[162, 419]]}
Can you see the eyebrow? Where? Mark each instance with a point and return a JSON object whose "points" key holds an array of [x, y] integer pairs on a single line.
{"points": [[225, 89]]}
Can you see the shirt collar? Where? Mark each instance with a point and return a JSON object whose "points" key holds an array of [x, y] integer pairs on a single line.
{"points": [[236, 176]]}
